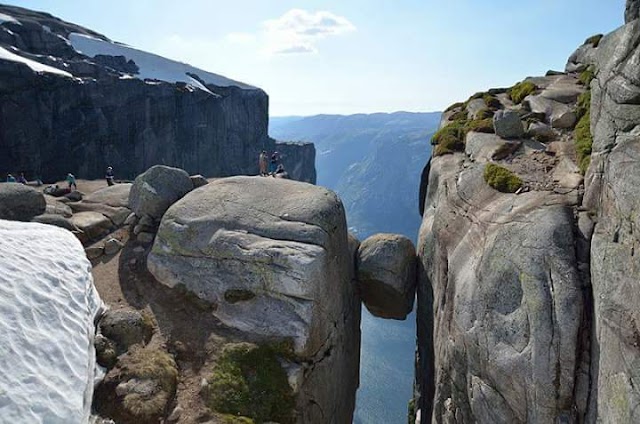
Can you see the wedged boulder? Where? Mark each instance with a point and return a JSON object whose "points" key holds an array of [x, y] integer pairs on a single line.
{"points": [[272, 258], [93, 224], [557, 114], [387, 275], [19, 202], [116, 196], [156, 189], [507, 124]]}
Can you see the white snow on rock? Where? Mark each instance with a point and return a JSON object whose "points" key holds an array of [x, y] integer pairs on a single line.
{"points": [[48, 304], [6, 18], [35, 66], [151, 66]]}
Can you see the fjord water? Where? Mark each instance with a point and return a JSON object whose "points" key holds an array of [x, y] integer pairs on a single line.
{"points": [[374, 163]]}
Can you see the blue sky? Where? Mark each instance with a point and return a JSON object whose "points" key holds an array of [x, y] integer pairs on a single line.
{"points": [[354, 56]]}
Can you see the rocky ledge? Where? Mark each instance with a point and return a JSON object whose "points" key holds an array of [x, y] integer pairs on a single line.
{"points": [[527, 294]]}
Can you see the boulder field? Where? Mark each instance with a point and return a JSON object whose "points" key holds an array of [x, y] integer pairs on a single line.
{"points": [[528, 269]]}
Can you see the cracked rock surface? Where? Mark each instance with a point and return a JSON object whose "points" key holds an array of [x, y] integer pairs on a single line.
{"points": [[271, 256]]}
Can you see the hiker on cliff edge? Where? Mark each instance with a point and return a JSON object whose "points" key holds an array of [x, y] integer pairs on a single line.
{"points": [[71, 180], [109, 176], [262, 161], [273, 164]]}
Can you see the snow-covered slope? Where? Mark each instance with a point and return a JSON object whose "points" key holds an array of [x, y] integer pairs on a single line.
{"points": [[151, 66], [36, 66], [48, 304]]}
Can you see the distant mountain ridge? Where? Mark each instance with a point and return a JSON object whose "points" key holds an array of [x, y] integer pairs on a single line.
{"points": [[371, 160], [374, 163]]}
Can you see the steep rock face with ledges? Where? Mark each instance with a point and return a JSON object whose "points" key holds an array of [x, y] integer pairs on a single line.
{"points": [[527, 294], [72, 100]]}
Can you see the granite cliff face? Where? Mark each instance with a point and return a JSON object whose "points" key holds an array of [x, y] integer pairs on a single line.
{"points": [[527, 294], [73, 101]]}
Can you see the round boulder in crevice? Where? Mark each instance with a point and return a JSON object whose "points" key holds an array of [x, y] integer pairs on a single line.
{"points": [[156, 189], [387, 275]]}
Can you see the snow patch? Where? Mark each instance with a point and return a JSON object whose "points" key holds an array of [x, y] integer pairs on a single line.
{"points": [[6, 18], [48, 305], [152, 66], [35, 66]]}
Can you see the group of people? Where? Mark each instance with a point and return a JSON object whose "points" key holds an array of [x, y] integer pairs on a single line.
{"points": [[20, 179], [271, 166]]}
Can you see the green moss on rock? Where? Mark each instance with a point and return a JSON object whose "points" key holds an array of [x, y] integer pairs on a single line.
{"points": [[491, 101], [587, 76], [583, 104], [501, 178], [248, 381], [480, 125], [518, 92], [485, 113], [584, 142]]}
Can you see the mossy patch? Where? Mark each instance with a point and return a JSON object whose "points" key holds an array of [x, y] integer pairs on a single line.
{"points": [[584, 142], [479, 125], [594, 40], [459, 116], [485, 113], [491, 101], [521, 90], [411, 411], [501, 178], [149, 364], [583, 104], [587, 76], [451, 138], [248, 381]]}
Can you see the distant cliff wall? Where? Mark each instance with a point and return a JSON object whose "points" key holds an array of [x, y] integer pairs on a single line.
{"points": [[65, 111]]}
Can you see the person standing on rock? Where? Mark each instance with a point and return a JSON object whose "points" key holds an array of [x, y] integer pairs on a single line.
{"points": [[11, 178], [109, 176], [273, 165], [71, 180], [262, 161]]}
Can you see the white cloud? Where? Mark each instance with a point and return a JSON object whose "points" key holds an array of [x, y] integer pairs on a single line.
{"points": [[298, 31]]}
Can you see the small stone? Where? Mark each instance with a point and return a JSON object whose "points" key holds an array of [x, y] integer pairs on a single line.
{"points": [[112, 246], [507, 124], [94, 252], [74, 196], [125, 327]]}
